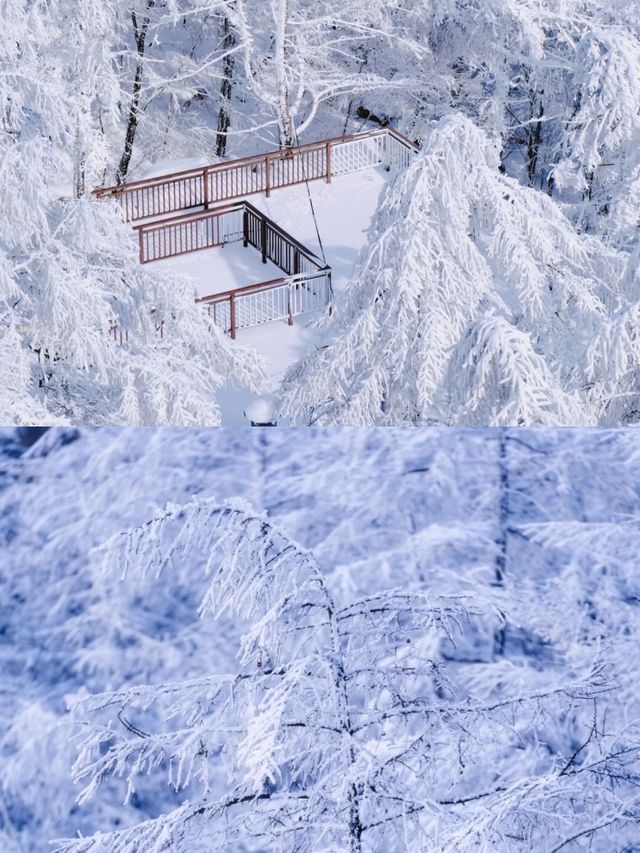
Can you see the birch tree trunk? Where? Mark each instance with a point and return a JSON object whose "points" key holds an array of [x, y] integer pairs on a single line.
{"points": [[79, 160], [285, 122]]}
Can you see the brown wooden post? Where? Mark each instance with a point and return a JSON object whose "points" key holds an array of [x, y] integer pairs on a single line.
{"points": [[267, 176], [141, 246], [245, 227], [232, 314], [328, 158], [290, 317], [263, 229], [205, 195]]}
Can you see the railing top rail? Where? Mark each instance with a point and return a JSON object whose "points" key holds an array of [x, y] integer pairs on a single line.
{"points": [[285, 234], [278, 153], [261, 285], [219, 210], [250, 288], [402, 138]]}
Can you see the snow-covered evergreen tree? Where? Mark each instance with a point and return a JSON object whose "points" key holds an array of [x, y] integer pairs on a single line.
{"points": [[343, 728], [454, 514], [476, 303], [598, 160]]}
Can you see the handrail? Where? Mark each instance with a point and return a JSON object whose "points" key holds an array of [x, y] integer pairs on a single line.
{"points": [[289, 237], [235, 291], [157, 224], [301, 296], [276, 153], [262, 285], [219, 210]]}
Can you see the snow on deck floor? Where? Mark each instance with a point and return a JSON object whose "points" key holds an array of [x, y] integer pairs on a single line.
{"points": [[225, 268], [344, 209]]}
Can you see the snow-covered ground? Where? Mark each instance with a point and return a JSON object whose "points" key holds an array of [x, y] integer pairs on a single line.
{"points": [[344, 209], [224, 268]]}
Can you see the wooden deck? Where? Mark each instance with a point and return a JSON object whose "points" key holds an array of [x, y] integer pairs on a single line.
{"points": [[195, 225]]}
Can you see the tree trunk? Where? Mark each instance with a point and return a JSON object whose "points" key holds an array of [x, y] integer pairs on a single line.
{"points": [[285, 122], [346, 724], [79, 159], [134, 108], [503, 509], [534, 138], [224, 113], [502, 540]]}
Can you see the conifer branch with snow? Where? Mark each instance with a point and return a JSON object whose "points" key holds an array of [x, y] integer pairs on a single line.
{"points": [[342, 726]]}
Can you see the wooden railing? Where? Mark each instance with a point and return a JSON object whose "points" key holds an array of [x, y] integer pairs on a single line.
{"points": [[191, 232], [278, 299], [261, 173], [306, 287], [241, 221]]}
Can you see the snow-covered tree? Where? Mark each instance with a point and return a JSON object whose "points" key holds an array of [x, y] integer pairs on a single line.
{"points": [[342, 728], [466, 515], [598, 158], [476, 303], [69, 269]]}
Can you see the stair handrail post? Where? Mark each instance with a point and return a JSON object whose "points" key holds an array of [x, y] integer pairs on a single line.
{"points": [[205, 186], [290, 317], [267, 177], [245, 227], [328, 159], [263, 238], [232, 315], [141, 244]]}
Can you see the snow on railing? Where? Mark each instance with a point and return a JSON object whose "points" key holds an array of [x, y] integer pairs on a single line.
{"points": [[261, 173]]}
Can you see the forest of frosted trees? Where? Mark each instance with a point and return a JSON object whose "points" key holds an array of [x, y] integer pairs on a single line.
{"points": [[408, 618], [364, 640], [499, 282]]}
